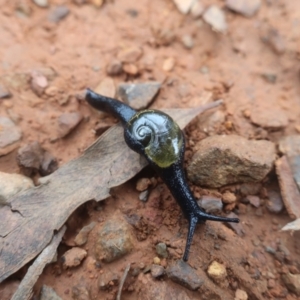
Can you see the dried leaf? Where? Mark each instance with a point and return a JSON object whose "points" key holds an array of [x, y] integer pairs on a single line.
{"points": [[27, 226], [24, 290]]}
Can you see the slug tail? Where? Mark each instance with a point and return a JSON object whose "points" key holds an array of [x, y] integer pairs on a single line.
{"points": [[118, 109]]}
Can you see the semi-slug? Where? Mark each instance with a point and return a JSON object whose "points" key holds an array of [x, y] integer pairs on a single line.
{"points": [[159, 139]]}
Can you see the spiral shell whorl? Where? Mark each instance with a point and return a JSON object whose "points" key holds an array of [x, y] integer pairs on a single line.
{"points": [[159, 135]]}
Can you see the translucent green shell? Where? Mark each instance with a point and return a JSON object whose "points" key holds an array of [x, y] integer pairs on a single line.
{"points": [[160, 136]]}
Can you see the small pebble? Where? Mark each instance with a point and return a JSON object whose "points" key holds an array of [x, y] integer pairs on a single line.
{"points": [[58, 13], [138, 95], [157, 271], [114, 238], [39, 83], [106, 87], [41, 3], [254, 200], [48, 293], [156, 260], [245, 7], [210, 204], [168, 64], [240, 295], [4, 92], [107, 279], [217, 272], [161, 250], [80, 292], [10, 136], [275, 203], [197, 9], [187, 41], [143, 184], [270, 250], [215, 17], [130, 55], [275, 41], [183, 6], [143, 196], [67, 122], [81, 237], [292, 282], [130, 69], [114, 68], [97, 3], [73, 257], [184, 275], [228, 197], [30, 157], [269, 77]]}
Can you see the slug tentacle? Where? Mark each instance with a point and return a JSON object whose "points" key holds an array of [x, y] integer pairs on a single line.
{"points": [[159, 139], [118, 109]]}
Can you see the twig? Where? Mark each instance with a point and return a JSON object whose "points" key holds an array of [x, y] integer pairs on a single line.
{"points": [[122, 281]]}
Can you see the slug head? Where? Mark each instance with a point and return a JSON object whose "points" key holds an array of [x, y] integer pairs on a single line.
{"points": [[155, 135]]}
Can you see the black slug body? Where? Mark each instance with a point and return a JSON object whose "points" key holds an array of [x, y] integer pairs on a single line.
{"points": [[159, 139]]}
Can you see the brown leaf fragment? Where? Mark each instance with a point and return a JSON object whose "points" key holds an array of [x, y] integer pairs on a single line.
{"points": [[288, 187], [27, 226], [24, 290]]}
